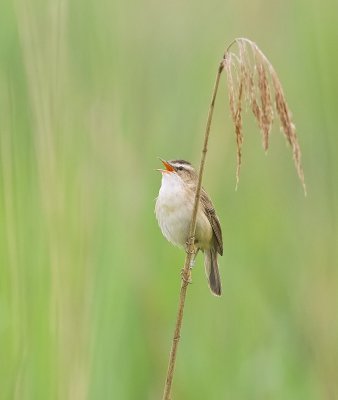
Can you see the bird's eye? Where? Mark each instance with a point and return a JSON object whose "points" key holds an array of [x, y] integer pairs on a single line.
{"points": [[180, 168]]}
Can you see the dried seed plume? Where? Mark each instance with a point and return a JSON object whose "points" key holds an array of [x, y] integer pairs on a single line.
{"points": [[252, 79]]}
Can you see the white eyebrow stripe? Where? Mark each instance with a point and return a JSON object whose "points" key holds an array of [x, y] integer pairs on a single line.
{"points": [[184, 166]]}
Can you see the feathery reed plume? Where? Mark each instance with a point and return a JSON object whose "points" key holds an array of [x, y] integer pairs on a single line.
{"points": [[249, 71], [251, 78]]}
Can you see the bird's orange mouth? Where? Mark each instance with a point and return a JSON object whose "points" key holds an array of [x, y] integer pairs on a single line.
{"points": [[168, 167]]}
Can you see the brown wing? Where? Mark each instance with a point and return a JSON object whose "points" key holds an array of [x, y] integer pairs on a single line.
{"points": [[210, 212]]}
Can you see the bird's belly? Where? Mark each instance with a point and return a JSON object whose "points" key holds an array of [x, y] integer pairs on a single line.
{"points": [[175, 224], [174, 218]]}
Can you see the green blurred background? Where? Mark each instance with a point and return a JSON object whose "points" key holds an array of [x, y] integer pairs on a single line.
{"points": [[90, 94]]}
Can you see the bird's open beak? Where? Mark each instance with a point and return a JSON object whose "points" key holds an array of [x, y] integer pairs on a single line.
{"points": [[168, 167]]}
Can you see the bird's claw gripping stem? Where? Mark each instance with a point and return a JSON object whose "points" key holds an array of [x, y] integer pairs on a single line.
{"points": [[184, 276], [188, 244]]}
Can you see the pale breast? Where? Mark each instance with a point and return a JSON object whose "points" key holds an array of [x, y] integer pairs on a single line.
{"points": [[173, 210]]}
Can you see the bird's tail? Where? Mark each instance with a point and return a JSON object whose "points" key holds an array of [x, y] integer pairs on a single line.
{"points": [[212, 272]]}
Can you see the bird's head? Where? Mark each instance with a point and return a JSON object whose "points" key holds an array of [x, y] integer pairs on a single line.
{"points": [[180, 168]]}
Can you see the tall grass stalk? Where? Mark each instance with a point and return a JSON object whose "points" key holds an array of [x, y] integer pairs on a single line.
{"points": [[251, 78]]}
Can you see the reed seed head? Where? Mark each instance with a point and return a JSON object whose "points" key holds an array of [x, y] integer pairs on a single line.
{"points": [[251, 78]]}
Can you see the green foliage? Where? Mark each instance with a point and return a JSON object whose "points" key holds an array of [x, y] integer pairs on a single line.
{"points": [[90, 94]]}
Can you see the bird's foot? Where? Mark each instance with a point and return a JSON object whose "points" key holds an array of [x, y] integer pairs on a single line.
{"points": [[186, 277], [188, 245]]}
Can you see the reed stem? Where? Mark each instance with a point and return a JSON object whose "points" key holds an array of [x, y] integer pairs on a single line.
{"points": [[186, 272]]}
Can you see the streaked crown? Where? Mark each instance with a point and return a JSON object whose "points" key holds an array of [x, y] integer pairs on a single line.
{"points": [[184, 169]]}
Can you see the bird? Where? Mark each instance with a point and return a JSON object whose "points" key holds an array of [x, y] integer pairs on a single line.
{"points": [[173, 209]]}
